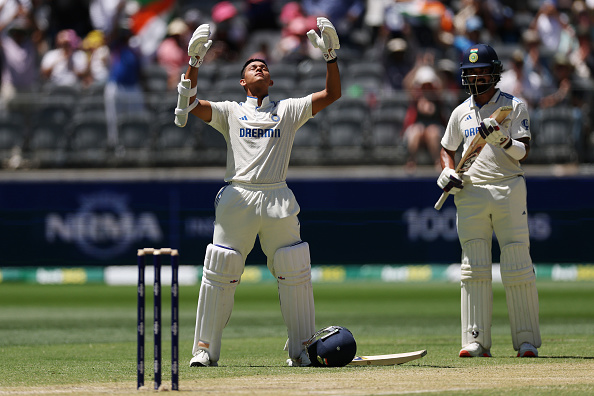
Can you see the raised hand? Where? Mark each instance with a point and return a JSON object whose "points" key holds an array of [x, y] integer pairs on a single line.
{"points": [[199, 44], [328, 41]]}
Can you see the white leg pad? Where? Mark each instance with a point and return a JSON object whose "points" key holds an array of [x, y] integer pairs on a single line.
{"points": [[292, 269], [222, 272], [477, 293], [517, 275]]}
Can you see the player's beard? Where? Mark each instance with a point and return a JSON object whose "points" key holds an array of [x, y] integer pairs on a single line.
{"points": [[478, 89]]}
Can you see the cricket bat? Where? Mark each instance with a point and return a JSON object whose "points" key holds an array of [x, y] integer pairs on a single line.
{"points": [[473, 151], [387, 360]]}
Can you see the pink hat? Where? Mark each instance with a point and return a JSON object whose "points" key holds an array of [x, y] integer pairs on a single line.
{"points": [[301, 25], [223, 11], [290, 11]]}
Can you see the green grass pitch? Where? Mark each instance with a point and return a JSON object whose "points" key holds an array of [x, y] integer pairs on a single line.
{"points": [[84, 335]]}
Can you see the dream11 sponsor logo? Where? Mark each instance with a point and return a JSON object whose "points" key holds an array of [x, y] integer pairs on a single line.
{"points": [[103, 227]]}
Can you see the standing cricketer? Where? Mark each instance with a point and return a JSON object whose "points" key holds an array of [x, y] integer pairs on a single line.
{"points": [[491, 197], [256, 201]]}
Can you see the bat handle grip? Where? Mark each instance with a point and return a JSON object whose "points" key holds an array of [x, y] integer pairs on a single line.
{"points": [[441, 200]]}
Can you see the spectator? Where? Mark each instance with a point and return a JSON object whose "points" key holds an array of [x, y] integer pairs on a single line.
{"points": [[563, 94], [425, 121], [346, 15], [470, 35], [20, 63], [193, 18], [395, 24], [123, 91], [508, 31], [230, 33], [398, 62], [98, 58], [66, 64], [553, 27], [104, 14], [534, 61], [520, 82], [294, 45], [492, 14], [172, 53], [582, 58], [449, 74], [467, 10], [375, 16]]}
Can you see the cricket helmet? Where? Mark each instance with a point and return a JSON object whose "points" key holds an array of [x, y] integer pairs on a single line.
{"points": [[332, 346], [478, 56]]}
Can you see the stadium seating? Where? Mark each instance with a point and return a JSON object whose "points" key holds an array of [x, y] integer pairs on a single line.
{"points": [[11, 135], [556, 132], [135, 139], [88, 146]]}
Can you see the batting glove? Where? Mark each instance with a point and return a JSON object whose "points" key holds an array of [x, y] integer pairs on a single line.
{"points": [[199, 44], [327, 42], [449, 181], [493, 134]]}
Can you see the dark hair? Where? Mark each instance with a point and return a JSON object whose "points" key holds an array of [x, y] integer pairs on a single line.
{"points": [[251, 61]]}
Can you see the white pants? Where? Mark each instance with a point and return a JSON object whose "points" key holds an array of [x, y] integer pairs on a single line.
{"points": [[244, 211], [486, 208]]}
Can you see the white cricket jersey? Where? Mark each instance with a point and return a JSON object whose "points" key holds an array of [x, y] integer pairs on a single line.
{"points": [[259, 138], [493, 163]]}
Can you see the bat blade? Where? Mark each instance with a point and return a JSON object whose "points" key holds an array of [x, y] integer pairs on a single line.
{"points": [[473, 151], [387, 360]]}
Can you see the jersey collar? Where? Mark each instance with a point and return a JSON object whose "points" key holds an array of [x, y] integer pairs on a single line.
{"points": [[493, 99], [252, 100]]}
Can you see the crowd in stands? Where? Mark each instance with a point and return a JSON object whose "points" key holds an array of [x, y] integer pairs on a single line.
{"points": [[545, 46]]}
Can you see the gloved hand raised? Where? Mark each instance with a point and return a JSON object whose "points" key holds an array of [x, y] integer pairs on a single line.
{"points": [[328, 41], [199, 44]]}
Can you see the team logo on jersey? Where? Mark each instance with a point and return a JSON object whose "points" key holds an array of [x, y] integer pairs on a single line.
{"points": [[525, 124], [275, 118], [473, 57]]}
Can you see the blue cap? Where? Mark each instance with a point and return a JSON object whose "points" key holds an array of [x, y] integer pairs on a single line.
{"points": [[478, 55]]}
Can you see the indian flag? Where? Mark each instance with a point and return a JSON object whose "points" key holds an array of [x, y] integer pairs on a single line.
{"points": [[149, 23]]}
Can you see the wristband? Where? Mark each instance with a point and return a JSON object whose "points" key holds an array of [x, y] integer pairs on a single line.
{"points": [[517, 150], [195, 62], [332, 60], [329, 56]]}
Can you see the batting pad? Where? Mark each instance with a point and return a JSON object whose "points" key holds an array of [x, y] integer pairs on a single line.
{"points": [[519, 280], [477, 293], [292, 269], [222, 270]]}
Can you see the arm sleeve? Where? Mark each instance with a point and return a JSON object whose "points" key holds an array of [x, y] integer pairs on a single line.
{"points": [[220, 116], [299, 110], [520, 124]]}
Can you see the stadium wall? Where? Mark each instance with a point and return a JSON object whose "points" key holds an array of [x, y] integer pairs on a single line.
{"points": [[84, 221]]}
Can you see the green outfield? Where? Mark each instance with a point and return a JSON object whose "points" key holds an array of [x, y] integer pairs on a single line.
{"points": [[81, 339]]}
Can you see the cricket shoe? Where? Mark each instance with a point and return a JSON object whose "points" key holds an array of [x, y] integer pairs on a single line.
{"points": [[527, 350], [202, 359], [474, 349], [301, 361]]}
